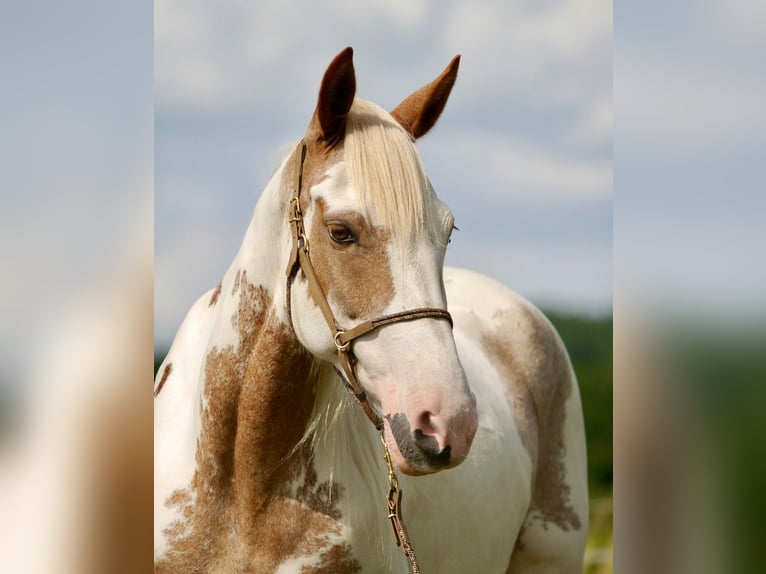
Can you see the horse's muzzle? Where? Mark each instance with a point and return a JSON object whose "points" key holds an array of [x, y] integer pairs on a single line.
{"points": [[421, 452]]}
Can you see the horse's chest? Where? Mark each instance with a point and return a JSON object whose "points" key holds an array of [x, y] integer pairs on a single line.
{"points": [[288, 535], [301, 530], [299, 536]]}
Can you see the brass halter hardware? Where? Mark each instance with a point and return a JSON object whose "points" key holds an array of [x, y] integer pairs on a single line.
{"points": [[343, 339], [342, 347]]}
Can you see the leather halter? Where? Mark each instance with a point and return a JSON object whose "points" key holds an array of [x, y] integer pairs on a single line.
{"points": [[343, 338]]}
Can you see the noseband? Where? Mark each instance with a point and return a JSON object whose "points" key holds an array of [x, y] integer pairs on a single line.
{"points": [[343, 338]]}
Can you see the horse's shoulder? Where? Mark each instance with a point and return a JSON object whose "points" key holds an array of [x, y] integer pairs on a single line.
{"points": [[509, 328], [532, 363], [518, 340]]}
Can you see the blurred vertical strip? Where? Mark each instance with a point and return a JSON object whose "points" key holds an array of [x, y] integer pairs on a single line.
{"points": [[76, 296], [689, 275]]}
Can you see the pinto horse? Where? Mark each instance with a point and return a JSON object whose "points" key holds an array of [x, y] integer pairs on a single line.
{"points": [[265, 463]]}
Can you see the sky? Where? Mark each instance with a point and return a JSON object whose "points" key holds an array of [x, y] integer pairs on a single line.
{"points": [[76, 161], [522, 153], [689, 158], [125, 122]]}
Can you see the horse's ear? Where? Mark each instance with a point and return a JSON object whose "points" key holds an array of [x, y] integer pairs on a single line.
{"points": [[418, 113], [335, 97]]}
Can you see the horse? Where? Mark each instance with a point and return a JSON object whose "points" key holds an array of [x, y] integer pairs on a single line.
{"points": [[265, 458]]}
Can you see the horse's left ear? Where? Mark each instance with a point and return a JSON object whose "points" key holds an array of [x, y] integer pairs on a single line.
{"points": [[335, 97], [418, 113]]}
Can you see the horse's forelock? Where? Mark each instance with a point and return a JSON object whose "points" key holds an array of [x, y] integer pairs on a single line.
{"points": [[384, 166]]}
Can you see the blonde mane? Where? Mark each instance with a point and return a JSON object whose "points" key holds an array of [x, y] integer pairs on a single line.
{"points": [[384, 166], [337, 436]]}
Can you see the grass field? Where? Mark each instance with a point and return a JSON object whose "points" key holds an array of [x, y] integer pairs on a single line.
{"points": [[598, 552]]}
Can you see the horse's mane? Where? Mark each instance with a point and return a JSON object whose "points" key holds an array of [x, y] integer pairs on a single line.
{"points": [[336, 435], [384, 166]]}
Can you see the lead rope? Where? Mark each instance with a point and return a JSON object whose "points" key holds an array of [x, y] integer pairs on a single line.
{"points": [[299, 257], [394, 503]]}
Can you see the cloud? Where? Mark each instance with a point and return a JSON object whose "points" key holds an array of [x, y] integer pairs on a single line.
{"points": [[705, 108], [505, 167], [527, 129], [217, 55], [690, 133], [524, 40], [593, 128], [236, 54], [699, 84]]}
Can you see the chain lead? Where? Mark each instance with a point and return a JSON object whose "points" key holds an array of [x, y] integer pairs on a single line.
{"points": [[394, 504]]}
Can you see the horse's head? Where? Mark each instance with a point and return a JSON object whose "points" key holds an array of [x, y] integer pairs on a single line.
{"points": [[377, 236]]}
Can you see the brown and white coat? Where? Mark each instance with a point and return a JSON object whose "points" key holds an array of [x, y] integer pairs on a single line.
{"points": [[264, 464]]}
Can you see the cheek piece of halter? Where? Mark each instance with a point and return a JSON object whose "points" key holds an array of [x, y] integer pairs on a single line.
{"points": [[343, 338]]}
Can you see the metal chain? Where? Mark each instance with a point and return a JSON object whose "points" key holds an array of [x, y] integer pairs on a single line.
{"points": [[394, 504]]}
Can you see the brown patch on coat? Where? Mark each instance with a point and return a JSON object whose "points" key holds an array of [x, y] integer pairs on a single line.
{"points": [[236, 282], [529, 356], [322, 497], [165, 374], [239, 514], [216, 293], [336, 560], [357, 277], [358, 281]]}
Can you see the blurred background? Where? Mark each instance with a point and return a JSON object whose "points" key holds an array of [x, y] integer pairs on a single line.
{"points": [[135, 133], [76, 253], [689, 303]]}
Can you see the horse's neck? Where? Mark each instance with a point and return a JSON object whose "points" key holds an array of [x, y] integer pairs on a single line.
{"points": [[256, 392]]}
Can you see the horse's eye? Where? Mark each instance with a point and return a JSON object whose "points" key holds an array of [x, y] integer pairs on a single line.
{"points": [[340, 233]]}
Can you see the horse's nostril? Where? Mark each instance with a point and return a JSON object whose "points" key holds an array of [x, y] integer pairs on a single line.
{"points": [[425, 442], [430, 448], [426, 422]]}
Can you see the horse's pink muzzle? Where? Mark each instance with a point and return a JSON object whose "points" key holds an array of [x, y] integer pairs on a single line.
{"points": [[427, 442]]}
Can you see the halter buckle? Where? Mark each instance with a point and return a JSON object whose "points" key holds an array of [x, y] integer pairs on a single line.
{"points": [[342, 347], [303, 242]]}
